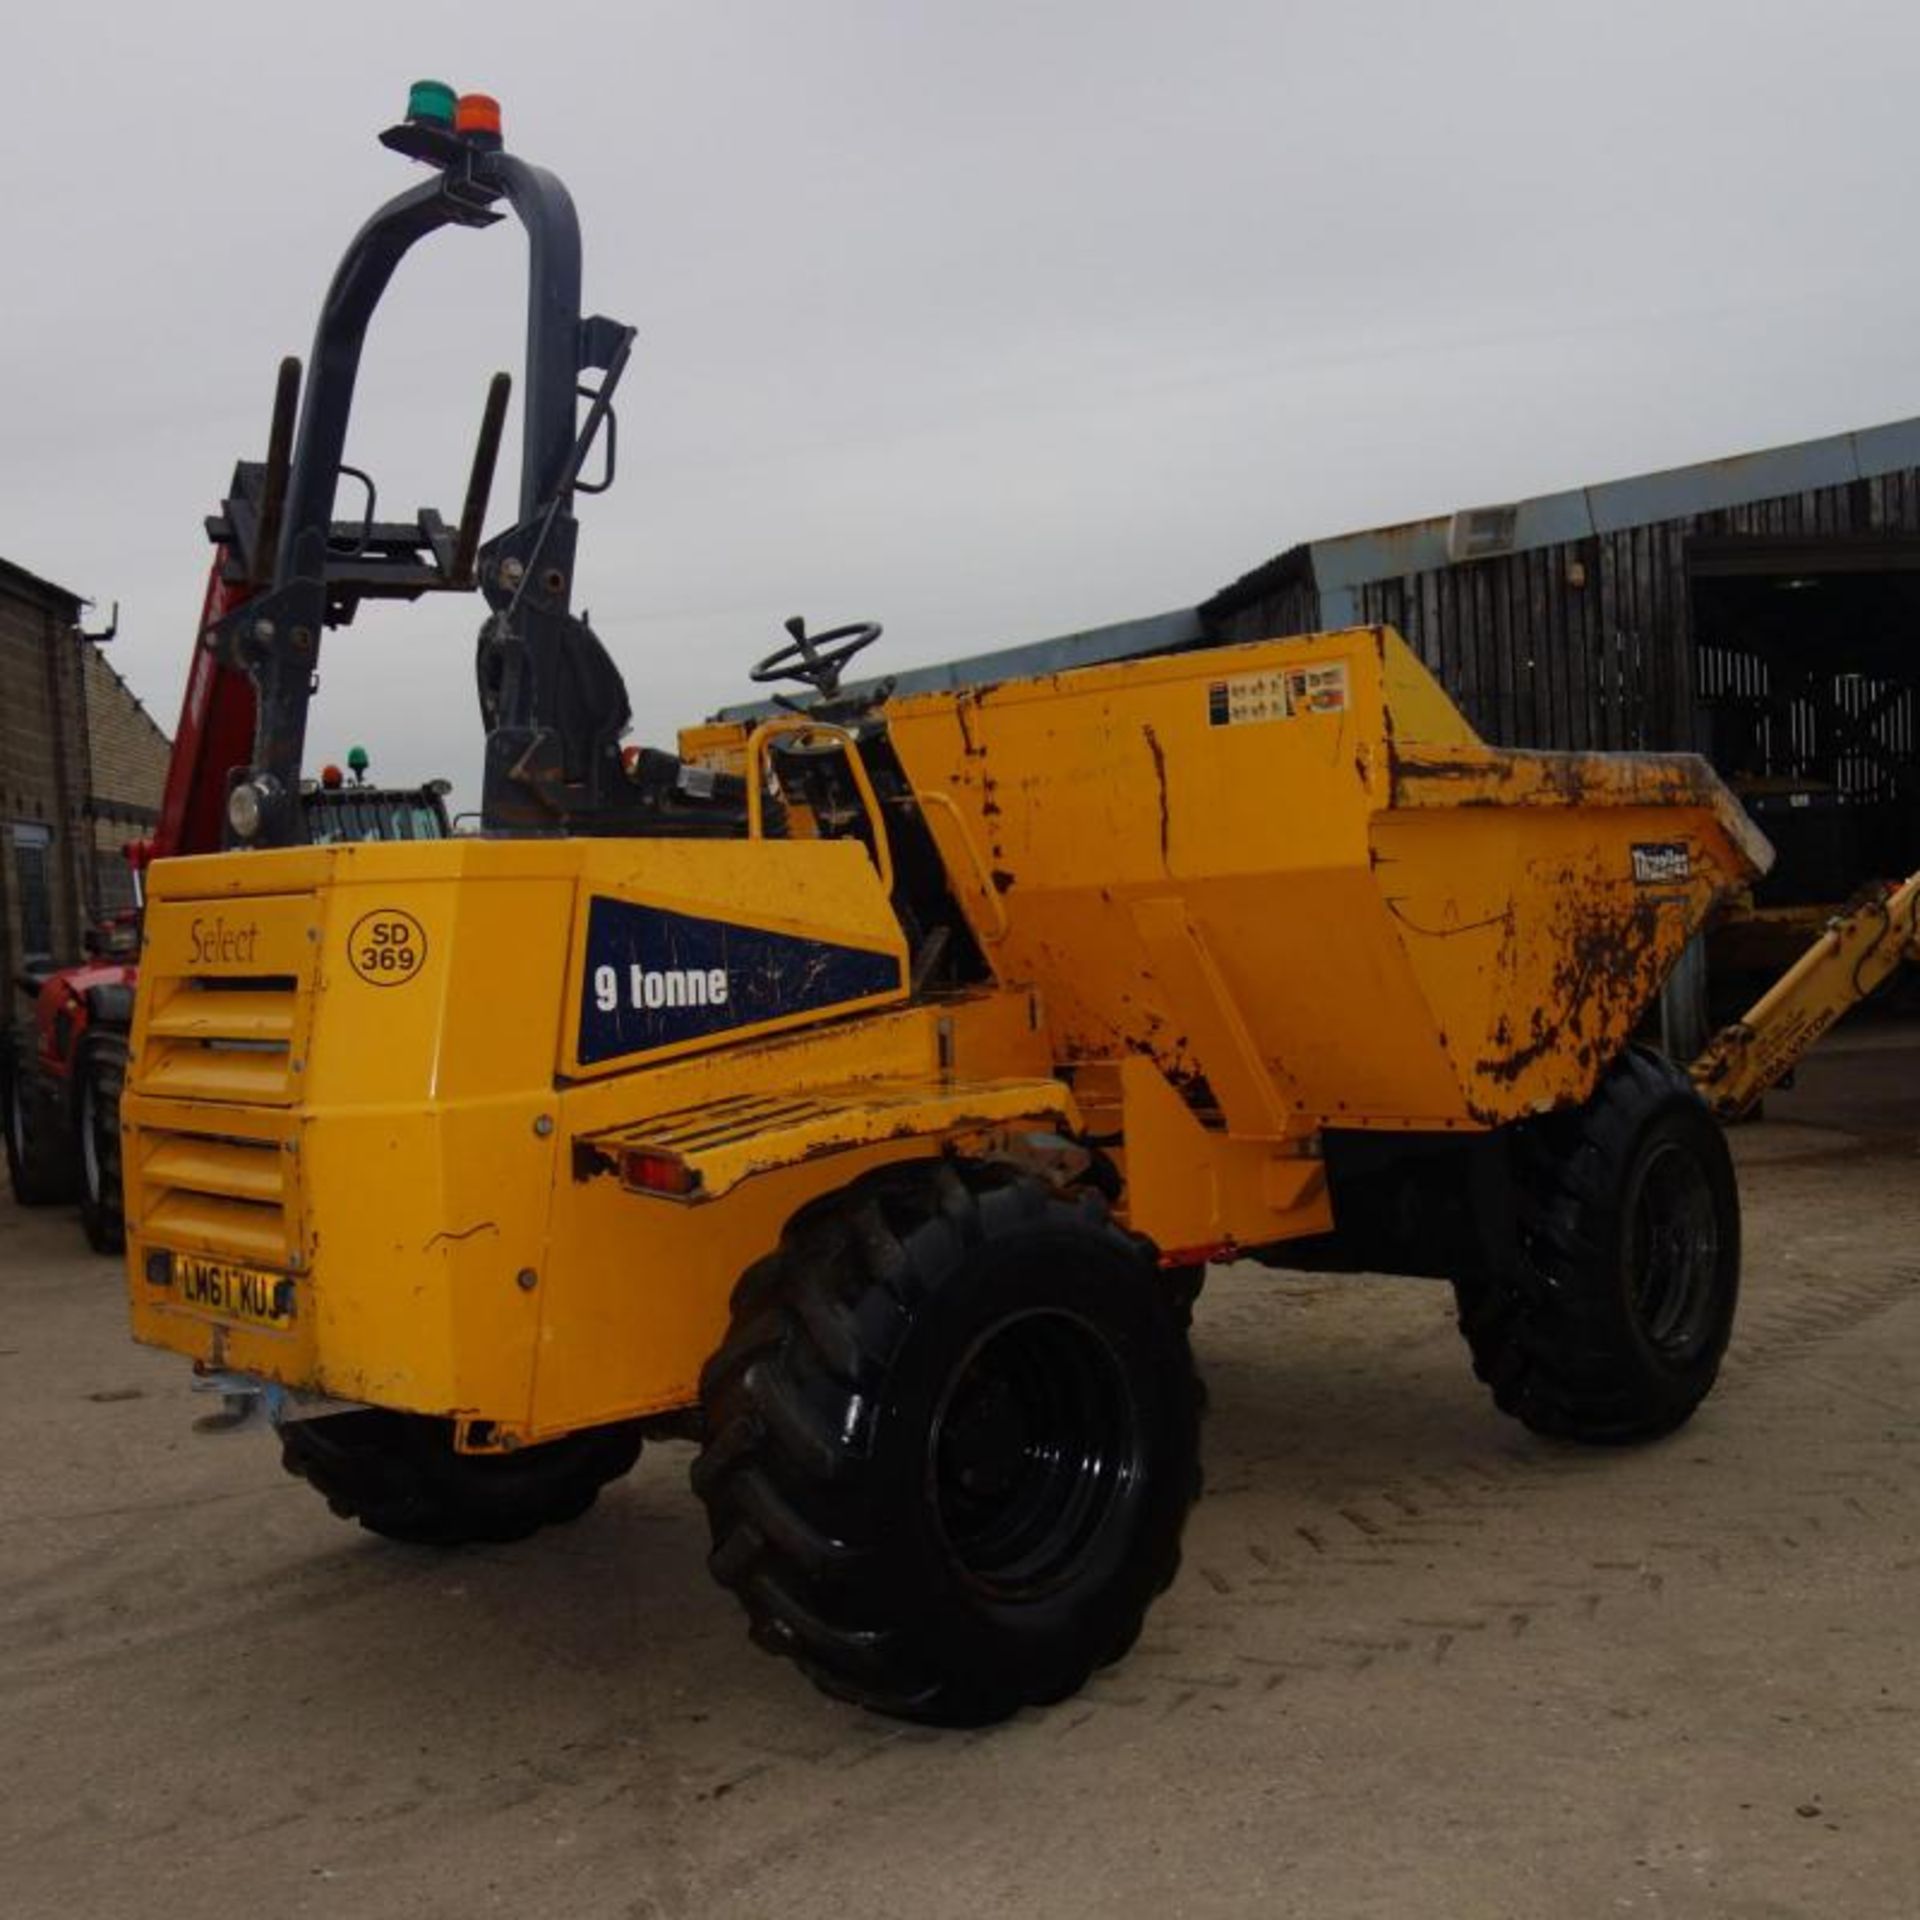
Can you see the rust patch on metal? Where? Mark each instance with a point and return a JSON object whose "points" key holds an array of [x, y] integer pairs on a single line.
{"points": [[1160, 774], [1544, 778], [969, 745], [1599, 986]]}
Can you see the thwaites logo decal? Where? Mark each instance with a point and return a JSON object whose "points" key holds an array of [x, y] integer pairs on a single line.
{"points": [[659, 979], [1659, 862]]}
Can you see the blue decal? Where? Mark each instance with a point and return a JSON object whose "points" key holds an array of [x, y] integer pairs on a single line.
{"points": [[657, 979]]}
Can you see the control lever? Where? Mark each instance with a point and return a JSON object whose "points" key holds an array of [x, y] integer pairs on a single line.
{"points": [[486, 455], [273, 494]]}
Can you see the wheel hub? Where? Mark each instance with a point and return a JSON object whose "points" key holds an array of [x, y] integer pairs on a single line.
{"points": [[1035, 1446], [1673, 1243]]}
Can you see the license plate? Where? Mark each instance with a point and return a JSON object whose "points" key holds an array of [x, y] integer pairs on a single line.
{"points": [[246, 1294]]}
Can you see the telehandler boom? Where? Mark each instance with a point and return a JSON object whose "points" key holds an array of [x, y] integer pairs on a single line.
{"points": [[862, 1092]]}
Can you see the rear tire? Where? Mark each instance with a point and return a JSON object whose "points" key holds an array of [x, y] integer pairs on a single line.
{"points": [[1613, 1327], [100, 1080], [953, 1444], [398, 1475], [39, 1177]]}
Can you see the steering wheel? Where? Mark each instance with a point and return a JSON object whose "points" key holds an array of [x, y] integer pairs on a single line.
{"points": [[816, 660]]}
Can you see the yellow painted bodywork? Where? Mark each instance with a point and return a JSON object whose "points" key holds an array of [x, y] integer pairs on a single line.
{"points": [[720, 1144], [1226, 900], [406, 1150], [1344, 912]]}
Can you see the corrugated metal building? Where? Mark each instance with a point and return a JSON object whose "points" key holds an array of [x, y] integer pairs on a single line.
{"points": [[1763, 610]]}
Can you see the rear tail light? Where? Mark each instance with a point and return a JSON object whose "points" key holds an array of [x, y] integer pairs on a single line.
{"points": [[646, 1171]]}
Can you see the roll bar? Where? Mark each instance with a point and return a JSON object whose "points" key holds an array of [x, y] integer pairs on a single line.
{"points": [[554, 704]]}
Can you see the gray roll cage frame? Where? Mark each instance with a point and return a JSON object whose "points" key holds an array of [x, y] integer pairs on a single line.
{"points": [[553, 702]]}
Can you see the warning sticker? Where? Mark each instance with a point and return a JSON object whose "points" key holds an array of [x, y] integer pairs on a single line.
{"points": [[1278, 695]]}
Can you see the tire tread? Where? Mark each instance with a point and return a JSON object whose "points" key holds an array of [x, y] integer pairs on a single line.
{"points": [[1550, 1342], [783, 1472], [397, 1475]]}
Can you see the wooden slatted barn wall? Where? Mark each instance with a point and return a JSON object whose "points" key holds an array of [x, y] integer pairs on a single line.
{"points": [[1582, 644], [1288, 606], [1585, 644], [1527, 644]]}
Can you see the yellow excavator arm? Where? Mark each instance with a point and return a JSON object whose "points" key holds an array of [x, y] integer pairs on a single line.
{"points": [[1860, 947]]}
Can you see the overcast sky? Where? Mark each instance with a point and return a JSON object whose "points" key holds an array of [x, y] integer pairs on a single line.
{"points": [[984, 320]]}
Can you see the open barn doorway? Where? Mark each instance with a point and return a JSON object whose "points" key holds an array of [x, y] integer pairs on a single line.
{"points": [[1807, 701]]}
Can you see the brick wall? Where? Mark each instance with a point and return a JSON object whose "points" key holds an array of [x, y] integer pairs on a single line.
{"points": [[82, 764], [127, 753], [43, 759]]}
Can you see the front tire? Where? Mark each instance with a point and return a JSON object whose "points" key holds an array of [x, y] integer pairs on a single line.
{"points": [[953, 1444], [1613, 1326], [398, 1475], [101, 1072]]}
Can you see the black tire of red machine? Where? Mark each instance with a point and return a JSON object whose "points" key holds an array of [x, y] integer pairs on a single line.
{"points": [[1612, 1328], [100, 1080], [399, 1476], [952, 1443], [39, 1173]]}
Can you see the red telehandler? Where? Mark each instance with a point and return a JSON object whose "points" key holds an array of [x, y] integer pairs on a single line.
{"points": [[64, 1062]]}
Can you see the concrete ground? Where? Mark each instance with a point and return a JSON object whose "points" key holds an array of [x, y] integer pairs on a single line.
{"points": [[1418, 1663]]}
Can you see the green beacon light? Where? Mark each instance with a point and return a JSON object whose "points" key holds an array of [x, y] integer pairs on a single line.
{"points": [[430, 104], [358, 762]]}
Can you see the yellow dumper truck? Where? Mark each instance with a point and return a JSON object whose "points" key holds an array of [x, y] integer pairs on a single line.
{"points": [[861, 1092]]}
